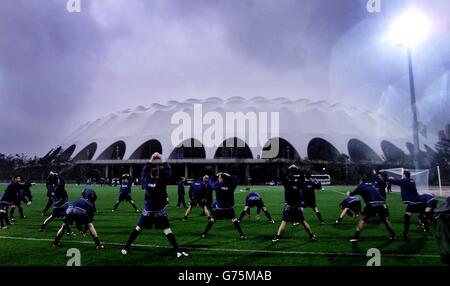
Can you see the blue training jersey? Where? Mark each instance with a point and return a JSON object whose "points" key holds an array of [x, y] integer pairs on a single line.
{"points": [[369, 193], [156, 198], [408, 189]]}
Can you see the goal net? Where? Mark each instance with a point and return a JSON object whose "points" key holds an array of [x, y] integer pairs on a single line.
{"points": [[420, 176]]}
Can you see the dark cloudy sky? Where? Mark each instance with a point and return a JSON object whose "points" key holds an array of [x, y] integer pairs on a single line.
{"points": [[59, 70]]}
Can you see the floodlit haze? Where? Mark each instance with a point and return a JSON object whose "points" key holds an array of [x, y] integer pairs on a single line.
{"points": [[59, 69]]}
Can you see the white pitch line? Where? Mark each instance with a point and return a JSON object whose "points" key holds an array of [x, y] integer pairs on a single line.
{"points": [[234, 250]]}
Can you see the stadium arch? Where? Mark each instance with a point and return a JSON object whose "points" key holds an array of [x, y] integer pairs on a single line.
{"points": [[235, 150], [87, 153], [360, 152], [146, 150], [286, 150], [321, 150], [115, 151]]}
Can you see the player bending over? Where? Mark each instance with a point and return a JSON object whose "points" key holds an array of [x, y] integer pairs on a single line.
{"points": [[198, 193], [60, 201], [426, 217], [350, 206], [24, 195], [255, 200], [223, 207], [375, 205], [125, 192], [154, 182], [7, 198], [81, 212], [410, 197], [292, 212]]}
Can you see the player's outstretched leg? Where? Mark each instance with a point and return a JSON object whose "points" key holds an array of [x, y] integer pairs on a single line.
{"points": [[171, 238], [266, 212], [186, 214], [47, 206], [359, 228], [341, 216], [208, 227], [131, 239], [116, 205], [11, 213], [281, 230], [21, 212], [319, 216], [237, 225], [388, 225], [98, 244], [244, 211], [133, 204], [407, 223], [46, 222], [308, 229], [59, 235]]}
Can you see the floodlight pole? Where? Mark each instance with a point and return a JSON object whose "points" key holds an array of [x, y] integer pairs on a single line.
{"points": [[412, 90]]}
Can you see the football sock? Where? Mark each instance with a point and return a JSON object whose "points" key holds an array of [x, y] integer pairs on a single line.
{"points": [[208, 227], [173, 241], [242, 215], [407, 223], [319, 216], [132, 238], [269, 217], [238, 228]]}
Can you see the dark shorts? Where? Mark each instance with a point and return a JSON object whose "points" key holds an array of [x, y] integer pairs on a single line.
{"points": [[125, 197], [158, 220], [59, 212], [201, 203], [219, 214], [415, 208], [293, 214], [309, 204], [79, 219], [371, 211], [255, 203], [16, 203]]}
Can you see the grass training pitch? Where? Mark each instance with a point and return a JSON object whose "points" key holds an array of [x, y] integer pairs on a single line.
{"points": [[22, 245]]}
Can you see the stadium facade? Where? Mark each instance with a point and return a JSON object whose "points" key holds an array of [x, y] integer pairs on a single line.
{"points": [[308, 130]]}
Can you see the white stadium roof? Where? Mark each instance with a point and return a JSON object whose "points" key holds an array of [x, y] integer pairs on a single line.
{"points": [[306, 124]]}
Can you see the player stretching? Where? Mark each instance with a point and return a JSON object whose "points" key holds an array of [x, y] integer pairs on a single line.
{"points": [[155, 205], [181, 193], [350, 206], [60, 201], [198, 193], [292, 212], [24, 195], [410, 197], [255, 200], [426, 217], [223, 207], [375, 205], [8, 196], [81, 212], [125, 192]]}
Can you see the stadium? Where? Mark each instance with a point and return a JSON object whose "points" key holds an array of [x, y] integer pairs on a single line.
{"points": [[318, 131], [224, 134]]}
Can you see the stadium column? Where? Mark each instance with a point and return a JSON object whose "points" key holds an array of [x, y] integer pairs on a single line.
{"points": [[247, 173], [131, 170], [186, 171], [216, 169], [106, 171]]}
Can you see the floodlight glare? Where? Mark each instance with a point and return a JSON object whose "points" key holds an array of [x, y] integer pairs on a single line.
{"points": [[410, 28]]}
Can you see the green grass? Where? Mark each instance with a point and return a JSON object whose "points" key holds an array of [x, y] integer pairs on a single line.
{"points": [[222, 247]]}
